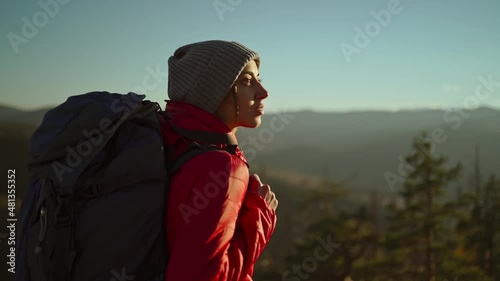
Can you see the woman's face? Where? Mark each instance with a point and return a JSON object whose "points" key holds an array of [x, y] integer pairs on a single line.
{"points": [[248, 94]]}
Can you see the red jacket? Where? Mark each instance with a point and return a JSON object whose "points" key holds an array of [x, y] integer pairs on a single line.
{"points": [[215, 229]]}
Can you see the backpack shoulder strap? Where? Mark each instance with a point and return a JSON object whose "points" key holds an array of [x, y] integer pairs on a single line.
{"points": [[192, 151]]}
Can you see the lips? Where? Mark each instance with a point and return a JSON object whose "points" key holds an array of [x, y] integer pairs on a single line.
{"points": [[260, 109]]}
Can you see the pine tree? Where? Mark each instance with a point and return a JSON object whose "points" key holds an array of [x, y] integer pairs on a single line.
{"points": [[415, 241], [481, 228], [491, 225], [478, 225]]}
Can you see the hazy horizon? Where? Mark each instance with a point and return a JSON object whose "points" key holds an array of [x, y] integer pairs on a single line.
{"points": [[354, 110]]}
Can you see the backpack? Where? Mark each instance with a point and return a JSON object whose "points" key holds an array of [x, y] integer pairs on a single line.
{"points": [[95, 206]]}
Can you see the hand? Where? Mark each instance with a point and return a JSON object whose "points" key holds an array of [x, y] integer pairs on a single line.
{"points": [[264, 190]]}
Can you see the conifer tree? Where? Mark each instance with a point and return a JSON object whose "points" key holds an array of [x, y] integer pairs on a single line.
{"points": [[415, 241]]}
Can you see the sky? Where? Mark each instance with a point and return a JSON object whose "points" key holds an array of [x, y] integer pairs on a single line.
{"points": [[336, 55]]}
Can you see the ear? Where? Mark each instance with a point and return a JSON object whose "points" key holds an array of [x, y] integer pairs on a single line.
{"points": [[230, 97], [223, 111]]}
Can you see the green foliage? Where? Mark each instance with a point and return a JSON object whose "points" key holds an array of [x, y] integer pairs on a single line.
{"points": [[417, 230], [479, 226]]}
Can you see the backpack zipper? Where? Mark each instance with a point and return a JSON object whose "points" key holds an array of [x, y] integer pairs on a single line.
{"points": [[41, 235], [43, 227]]}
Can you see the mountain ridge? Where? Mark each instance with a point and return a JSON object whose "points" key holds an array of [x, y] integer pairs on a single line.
{"points": [[357, 147]]}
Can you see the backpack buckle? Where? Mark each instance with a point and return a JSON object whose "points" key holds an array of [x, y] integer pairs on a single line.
{"points": [[90, 191], [64, 209], [95, 190]]}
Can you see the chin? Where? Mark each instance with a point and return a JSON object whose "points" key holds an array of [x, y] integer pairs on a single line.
{"points": [[253, 123]]}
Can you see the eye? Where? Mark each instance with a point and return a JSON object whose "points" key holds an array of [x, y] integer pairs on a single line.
{"points": [[247, 81]]}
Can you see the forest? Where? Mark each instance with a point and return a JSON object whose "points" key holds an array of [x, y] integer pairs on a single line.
{"points": [[430, 229]]}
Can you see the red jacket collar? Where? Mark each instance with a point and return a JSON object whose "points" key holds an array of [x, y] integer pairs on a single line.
{"points": [[188, 116], [191, 117]]}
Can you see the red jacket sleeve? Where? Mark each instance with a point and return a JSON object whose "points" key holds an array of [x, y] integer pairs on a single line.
{"points": [[256, 222], [216, 231]]}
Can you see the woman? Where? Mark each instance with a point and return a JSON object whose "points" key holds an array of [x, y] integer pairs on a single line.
{"points": [[219, 218]]}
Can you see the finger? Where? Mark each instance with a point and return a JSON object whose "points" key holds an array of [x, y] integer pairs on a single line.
{"points": [[254, 183], [275, 203], [264, 190], [256, 178], [272, 204], [269, 196]]}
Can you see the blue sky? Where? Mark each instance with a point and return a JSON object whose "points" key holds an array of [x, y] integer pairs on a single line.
{"points": [[429, 55]]}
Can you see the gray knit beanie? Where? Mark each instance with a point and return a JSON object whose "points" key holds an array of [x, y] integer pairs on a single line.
{"points": [[202, 73]]}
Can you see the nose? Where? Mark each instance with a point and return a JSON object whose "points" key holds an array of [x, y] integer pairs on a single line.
{"points": [[262, 93]]}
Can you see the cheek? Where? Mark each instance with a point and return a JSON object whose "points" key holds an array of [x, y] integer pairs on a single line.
{"points": [[246, 99]]}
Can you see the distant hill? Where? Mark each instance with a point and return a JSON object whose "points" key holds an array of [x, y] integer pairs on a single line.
{"points": [[355, 147], [14, 139], [13, 115], [358, 147]]}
